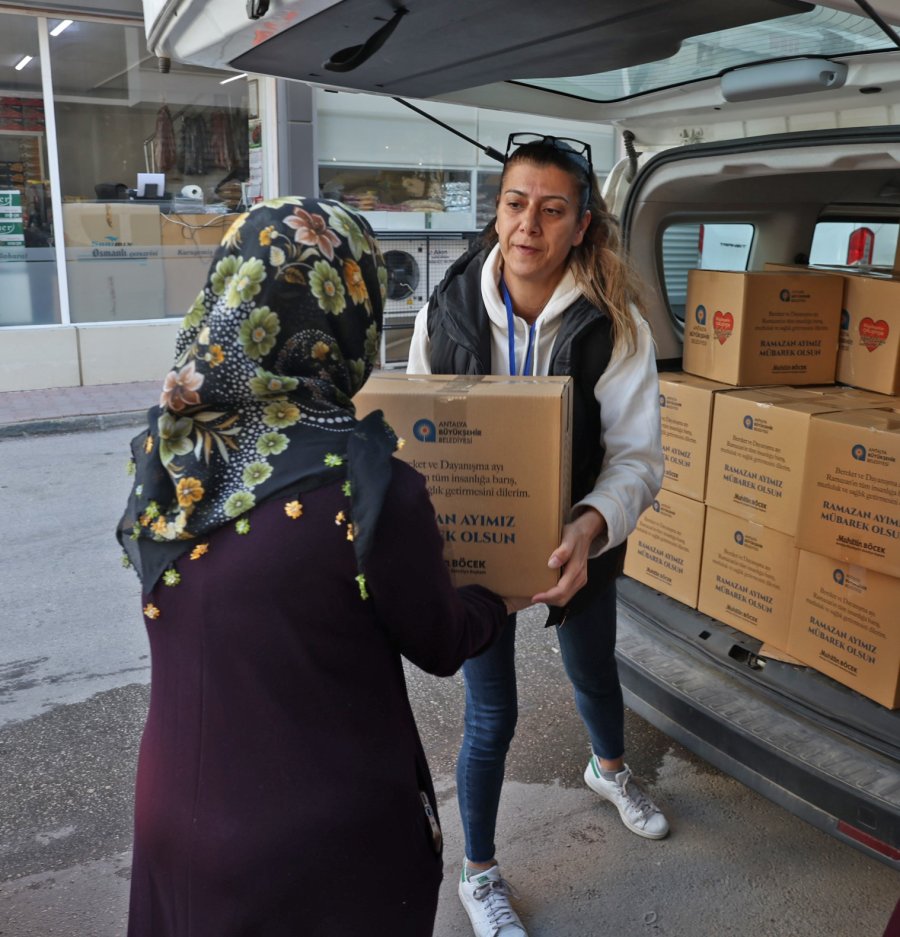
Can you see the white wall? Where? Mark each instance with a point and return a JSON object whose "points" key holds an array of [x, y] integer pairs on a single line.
{"points": [[120, 353], [33, 358]]}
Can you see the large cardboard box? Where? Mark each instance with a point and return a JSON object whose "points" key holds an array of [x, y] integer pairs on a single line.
{"points": [[758, 450], [850, 505], [113, 261], [666, 547], [686, 409], [869, 342], [844, 623], [111, 230], [869, 348], [496, 454], [188, 243], [747, 576], [762, 327], [193, 235]]}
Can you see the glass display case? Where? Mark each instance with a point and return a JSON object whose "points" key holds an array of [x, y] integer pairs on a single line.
{"points": [[404, 198]]}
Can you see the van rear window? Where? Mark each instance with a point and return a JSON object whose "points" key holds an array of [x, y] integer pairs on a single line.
{"points": [[863, 243], [708, 246]]}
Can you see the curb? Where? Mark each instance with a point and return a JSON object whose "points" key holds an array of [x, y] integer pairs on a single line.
{"points": [[72, 424]]}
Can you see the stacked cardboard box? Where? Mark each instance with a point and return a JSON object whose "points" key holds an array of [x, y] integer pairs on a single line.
{"points": [[686, 411], [665, 549], [113, 261], [781, 493], [843, 618], [773, 499], [758, 450], [21, 114], [869, 349], [869, 343], [847, 587], [757, 454], [762, 327], [747, 576], [193, 235], [844, 623], [188, 243], [126, 260], [850, 504]]}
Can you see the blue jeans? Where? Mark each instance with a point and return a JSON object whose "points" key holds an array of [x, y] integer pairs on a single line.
{"points": [[587, 643]]}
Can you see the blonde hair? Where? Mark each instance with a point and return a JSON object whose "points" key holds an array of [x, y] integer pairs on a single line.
{"points": [[599, 263]]}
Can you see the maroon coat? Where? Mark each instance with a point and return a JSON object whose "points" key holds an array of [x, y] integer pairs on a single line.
{"points": [[279, 779]]}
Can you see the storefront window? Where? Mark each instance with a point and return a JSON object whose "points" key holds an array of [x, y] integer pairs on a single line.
{"points": [[28, 279], [151, 167]]}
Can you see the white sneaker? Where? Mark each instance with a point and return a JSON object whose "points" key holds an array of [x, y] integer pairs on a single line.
{"points": [[637, 811], [485, 896]]}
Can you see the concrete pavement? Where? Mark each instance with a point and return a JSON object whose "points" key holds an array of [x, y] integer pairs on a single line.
{"points": [[72, 409]]}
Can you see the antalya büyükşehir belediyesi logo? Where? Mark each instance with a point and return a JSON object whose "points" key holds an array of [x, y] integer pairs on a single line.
{"points": [[424, 431]]}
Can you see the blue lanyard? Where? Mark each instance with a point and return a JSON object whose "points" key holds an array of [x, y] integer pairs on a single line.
{"points": [[527, 368]]}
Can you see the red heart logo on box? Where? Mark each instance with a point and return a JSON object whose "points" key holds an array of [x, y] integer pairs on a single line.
{"points": [[873, 334], [723, 326]]}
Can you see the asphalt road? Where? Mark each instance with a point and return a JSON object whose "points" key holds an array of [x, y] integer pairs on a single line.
{"points": [[73, 694]]}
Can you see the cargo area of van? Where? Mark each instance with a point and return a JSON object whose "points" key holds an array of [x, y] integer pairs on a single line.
{"points": [[725, 678]]}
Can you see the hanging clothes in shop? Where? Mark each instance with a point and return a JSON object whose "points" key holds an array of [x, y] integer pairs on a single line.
{"points": [[194, 160], [220, 151], [237, 140], [164, 149]]}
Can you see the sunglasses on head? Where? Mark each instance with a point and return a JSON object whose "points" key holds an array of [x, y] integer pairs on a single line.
{"points": [[577, 151]]}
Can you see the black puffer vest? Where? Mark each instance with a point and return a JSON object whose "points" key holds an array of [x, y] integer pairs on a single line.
{"points": [[460, 339]]}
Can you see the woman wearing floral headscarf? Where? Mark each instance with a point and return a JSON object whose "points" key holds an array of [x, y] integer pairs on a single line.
{"points": [[287, 561]]}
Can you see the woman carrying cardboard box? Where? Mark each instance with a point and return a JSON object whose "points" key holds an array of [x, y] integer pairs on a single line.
{"points": [[547, 291], [287, 561]]}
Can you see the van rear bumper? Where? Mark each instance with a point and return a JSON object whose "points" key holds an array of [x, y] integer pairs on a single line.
{"points": [[818, 749]]}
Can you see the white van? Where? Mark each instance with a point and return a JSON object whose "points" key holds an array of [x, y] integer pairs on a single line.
{"points": [[771, 125]]}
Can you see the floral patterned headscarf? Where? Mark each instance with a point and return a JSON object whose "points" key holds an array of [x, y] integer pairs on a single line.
{"points": [[258, 400]]}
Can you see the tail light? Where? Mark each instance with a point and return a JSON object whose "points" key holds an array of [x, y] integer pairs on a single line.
{"points": [[860, 247]]}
